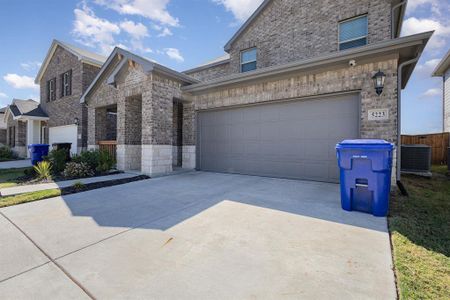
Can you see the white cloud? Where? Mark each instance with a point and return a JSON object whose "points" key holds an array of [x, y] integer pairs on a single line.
{"points": [[31, 65], [135, 30], [93, 31], [174, 54], [428, 67], [241, 9], [165, 32], [414, 25], [432, 93], [3, 95], [155, 10], [20, 82]]}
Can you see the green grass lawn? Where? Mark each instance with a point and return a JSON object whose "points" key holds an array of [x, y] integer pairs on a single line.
{"points": [[420, 230], [8, 177], [28, 197]]}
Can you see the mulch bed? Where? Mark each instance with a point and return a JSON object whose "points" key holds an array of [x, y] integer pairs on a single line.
{"points": [[98, 185]]}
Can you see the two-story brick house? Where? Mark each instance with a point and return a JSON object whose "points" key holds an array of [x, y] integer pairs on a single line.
{"points": [[65, 74], [298, 77]]}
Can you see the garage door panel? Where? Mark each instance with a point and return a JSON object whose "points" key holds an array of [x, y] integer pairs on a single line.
{"points": [[294, 139]]}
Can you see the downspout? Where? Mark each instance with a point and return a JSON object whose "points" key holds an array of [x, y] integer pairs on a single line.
{"points": [[393, 16], [399, 112]]}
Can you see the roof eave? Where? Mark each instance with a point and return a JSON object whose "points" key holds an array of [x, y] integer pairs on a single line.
{"points": [[443, 66], [418, 40], [214, 64]]}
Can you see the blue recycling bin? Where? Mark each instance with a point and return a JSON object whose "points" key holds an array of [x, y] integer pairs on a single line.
{"points": [[37, 152], [365, 171]]}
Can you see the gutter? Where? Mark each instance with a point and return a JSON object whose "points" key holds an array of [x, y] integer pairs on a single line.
{"points": [[399, 112], [400, 19]]}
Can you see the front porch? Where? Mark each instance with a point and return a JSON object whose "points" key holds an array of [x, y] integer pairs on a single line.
{"points": [[120, 130]]}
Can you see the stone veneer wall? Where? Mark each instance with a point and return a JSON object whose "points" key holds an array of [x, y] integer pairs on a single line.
{"points": [[211, 72], [320, 82], [20, 148], [289, 30]]}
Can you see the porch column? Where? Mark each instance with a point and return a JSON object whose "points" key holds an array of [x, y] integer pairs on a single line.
{"points": [[189, 136], [157, 127], [92, 131], [129, 130]]}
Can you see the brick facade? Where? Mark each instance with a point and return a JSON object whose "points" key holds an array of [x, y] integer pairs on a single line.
{"points": [[63, 110], [18, 130], [287, 30], [205, 74]]}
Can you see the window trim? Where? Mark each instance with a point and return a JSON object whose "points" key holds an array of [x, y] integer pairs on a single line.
{"points": [[51, 89], [354, 39], [241, 63], [66, 92]]}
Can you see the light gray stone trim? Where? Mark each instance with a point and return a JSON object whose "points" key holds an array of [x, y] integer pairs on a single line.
{"points": [[129, 157], [156, 159], [189, 157]]}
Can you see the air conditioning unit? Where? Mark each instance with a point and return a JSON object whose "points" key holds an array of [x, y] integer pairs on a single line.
{"points": [[416, 158]]}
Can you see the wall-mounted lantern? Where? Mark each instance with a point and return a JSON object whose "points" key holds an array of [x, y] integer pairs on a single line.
{"points": [[76, 121], [378, 81]]}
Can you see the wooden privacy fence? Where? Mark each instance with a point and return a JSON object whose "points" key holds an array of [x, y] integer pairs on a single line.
{"points": [[439, 143], [108, 146]]}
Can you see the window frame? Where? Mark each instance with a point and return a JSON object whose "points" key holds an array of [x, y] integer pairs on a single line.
{"points": [[241, 63], [66, 83], [354, 39], [51, 89]]}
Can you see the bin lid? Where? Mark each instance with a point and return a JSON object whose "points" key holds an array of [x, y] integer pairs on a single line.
{"points": [[38, 145], [365, 144]]}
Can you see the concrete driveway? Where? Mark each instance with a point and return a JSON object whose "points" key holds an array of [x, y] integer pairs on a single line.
{"points": [[195, 236]]}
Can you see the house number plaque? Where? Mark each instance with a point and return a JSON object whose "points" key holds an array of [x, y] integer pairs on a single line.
{"points": [[378, 114]]}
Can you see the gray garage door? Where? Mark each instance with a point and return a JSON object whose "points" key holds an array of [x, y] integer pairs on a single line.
{"points": [[294, 139]]}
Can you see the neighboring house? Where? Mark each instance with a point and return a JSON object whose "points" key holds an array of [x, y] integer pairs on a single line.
{"points": [[26, 123], [443, 70], [2, 126], [297, 79], [63, 77]]}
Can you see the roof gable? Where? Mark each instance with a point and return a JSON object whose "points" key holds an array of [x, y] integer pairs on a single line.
{"points": [[30, 108], [397, 19], [147, 66], [82, 55]]}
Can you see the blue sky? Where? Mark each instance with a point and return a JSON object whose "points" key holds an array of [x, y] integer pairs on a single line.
{"points": [[182, 34]]}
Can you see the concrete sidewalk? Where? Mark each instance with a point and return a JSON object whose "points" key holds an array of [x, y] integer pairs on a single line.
{"points": [[15, 164], [60, 184], [196, 236]]}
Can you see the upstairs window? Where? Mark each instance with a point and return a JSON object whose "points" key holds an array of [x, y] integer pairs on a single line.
{"points": [[66, 84], [51, 90], [248, 60], [353, 33]]}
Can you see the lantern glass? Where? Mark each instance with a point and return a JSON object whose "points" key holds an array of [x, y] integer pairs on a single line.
{"points": [[379, 79]]}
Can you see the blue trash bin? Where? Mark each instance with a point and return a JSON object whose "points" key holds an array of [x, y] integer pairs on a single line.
{"points": [[37, 152], [365, 171]]}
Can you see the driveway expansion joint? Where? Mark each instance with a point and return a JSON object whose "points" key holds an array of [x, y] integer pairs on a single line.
{"points": [[51, 260]]}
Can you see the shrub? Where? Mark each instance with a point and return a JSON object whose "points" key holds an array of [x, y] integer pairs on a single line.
{"points": [[78, 170], [44, 170], [91, 158], [78, 186], [99, 161], [105, 163], [58, 160], [6, 153]]}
